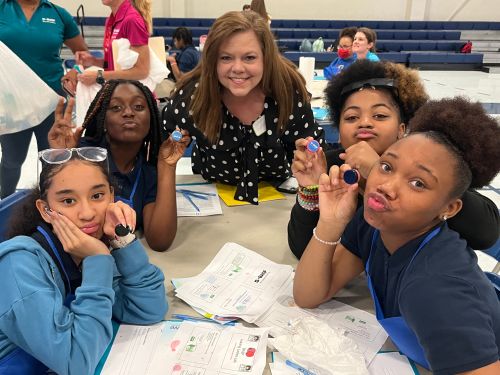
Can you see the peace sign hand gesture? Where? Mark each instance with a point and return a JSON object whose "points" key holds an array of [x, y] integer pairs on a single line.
{"points": [[62, 133]]}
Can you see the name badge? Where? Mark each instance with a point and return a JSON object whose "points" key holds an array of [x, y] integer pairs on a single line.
{"points": [[259, 126]]}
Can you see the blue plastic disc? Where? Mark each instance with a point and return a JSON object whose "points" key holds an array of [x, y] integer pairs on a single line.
{"points": [[313, 146], [176, 135], [351, 176]]}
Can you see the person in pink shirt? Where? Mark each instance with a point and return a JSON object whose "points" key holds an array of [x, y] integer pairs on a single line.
{"points": [[130, 19]]}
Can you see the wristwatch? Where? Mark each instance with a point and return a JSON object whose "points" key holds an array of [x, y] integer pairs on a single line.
{"points": [[119, 242], [100, 78], [123, 237]]}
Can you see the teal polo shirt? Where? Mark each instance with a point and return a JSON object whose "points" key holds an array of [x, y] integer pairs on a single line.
{"points": [[39, 41]]}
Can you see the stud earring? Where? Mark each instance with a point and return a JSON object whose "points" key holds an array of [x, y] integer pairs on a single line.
{"points": [[445, 217]]}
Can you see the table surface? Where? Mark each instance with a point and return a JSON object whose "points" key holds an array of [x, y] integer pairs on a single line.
{"points": [[261, 228]]}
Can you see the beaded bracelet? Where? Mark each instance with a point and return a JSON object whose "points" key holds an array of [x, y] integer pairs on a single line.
{"points": [[308, 197], [329, 243]]}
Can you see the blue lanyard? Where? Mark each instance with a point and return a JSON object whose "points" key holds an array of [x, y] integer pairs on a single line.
{"points": [[56, 253], [427, 238], [130, 200]]}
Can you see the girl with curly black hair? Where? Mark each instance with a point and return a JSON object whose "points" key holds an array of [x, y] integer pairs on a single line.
{"points": [[371, 104], [430, 295], [124, 119]]}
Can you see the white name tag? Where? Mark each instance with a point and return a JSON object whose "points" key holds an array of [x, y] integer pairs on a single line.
{"points": [[259, 126]]}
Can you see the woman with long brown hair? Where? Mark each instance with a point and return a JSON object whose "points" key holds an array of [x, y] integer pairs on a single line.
{"points": [[245, 105]]}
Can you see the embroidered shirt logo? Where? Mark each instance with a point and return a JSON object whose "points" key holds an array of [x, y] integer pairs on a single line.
{"points": [[48, 20]]}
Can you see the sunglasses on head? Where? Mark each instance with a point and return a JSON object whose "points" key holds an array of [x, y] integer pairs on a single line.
{"points": [[62, 155]]}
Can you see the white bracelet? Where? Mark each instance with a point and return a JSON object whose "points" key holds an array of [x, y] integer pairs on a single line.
{"points": [[120, 242], [329, 243]]}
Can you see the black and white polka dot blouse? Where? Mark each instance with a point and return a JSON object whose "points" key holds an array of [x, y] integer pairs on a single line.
{"points": [[241, 157]]}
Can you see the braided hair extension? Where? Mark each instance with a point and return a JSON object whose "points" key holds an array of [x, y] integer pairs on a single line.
{"points": [[95, 119]]}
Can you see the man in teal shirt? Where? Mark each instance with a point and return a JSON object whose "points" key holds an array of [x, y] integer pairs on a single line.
{"points": [[35, 31]]}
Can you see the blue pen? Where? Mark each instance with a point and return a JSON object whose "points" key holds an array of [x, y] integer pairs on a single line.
{"points": [[187, 196], [298, 367], [197, 194], [190, 318]]}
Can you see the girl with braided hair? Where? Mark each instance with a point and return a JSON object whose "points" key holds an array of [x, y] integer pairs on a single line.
{"points": [[371, 104], [124, 119]]}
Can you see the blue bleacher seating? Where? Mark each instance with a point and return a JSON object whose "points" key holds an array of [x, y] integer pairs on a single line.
{"points": [[322, 24], [441, 39], [301, 34], [6, 207], [401, 34]]}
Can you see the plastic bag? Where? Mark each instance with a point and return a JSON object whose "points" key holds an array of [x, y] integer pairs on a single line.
{"points": [[25, 100], [84, 96], [127, 58], [321, 349], [318, 45], [305, 46]]}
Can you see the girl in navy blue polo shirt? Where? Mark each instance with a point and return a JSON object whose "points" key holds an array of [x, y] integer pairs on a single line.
{"points": [[124, 119], [430, 295]]}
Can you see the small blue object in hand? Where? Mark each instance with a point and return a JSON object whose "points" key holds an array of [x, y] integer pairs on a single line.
{"points": [[176, 135], [351, 176], [313, 146]]}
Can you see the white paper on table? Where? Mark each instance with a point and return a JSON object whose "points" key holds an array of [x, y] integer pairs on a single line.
{"points": [[361, 326], [238, 282], [278, 370], [135, 347], [391, 363], [208, 207], [216, 318], [209, 349]]}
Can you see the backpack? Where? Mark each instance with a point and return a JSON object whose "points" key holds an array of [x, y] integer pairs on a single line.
{"points": [[306, 46], [318, 45], [466, 48]]}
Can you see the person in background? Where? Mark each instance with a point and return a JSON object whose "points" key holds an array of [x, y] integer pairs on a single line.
{"points": [[246, 7], [372, 103], [188, 57], [259, 7], [37, 43], [344, 53], [129, 19], [363, 45], [430, 295], [61, 283], [124, 119], [245, 104]]}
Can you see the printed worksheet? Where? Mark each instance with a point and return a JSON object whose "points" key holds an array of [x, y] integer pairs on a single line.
{"points": [[209, 349], [135, 347], [237, 283], [197, 199], [361, 326]]}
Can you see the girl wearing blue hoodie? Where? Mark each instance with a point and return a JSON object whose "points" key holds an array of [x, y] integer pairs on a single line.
{"points": [[69, 268]]}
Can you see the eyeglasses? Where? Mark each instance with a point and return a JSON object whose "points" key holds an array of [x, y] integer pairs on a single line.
{"points": [[62, 155]]}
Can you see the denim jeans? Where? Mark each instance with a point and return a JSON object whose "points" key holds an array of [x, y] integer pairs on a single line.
{"points": [[14, 150]]}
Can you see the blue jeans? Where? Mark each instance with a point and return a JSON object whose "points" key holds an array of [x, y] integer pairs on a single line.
{"points": [[14, 150]]}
